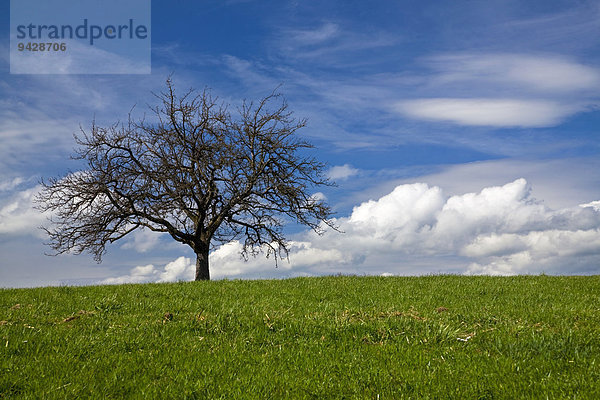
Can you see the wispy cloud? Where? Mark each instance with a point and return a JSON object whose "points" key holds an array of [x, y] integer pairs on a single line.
{"points": [[28, 137], [330, 43], [489, 112], [504, 90], [252, 74], [10, 184], [541, 73], [321, 34], [561, 29]]}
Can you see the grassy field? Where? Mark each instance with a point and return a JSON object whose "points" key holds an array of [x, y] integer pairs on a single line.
{"points": [[337, 337]]}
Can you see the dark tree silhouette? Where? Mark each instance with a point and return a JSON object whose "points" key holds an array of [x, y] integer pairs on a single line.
{"points": [[196, 172]]}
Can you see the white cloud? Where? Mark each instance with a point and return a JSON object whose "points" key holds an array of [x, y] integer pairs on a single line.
{"points": [[494, 245], [500, 229], [554, 251], [408, 208], [502, 208], [181, 269], [495, 228], [548, 73], [342, 172], [489, 112]]}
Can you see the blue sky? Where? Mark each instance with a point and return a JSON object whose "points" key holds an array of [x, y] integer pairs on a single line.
{"points": [[463, 135]]}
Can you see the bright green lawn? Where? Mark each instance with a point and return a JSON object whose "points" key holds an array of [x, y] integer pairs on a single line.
{"points": [[334, 337]]}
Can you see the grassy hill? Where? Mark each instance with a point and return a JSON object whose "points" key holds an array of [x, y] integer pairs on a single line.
{"points": [[336, 337]]}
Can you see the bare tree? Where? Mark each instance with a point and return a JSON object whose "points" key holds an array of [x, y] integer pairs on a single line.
{"points": [[196, 173]]}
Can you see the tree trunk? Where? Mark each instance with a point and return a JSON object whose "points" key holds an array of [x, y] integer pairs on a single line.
{"points": [[202, 273]]}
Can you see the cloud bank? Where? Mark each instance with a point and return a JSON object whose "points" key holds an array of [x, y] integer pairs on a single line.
{"points": [[416, 229]]}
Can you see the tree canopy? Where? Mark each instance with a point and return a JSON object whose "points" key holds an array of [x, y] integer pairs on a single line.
{"points": [[193, 170]]}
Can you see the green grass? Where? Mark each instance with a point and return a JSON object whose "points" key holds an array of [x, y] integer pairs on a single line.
{"points": [[313, 338]]}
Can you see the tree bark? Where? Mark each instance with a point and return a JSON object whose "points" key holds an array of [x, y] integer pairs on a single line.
{"points": [[202, 273]]}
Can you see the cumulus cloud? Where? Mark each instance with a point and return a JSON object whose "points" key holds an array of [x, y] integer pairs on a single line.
{"points": [[499, 230], [417, 229]]}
